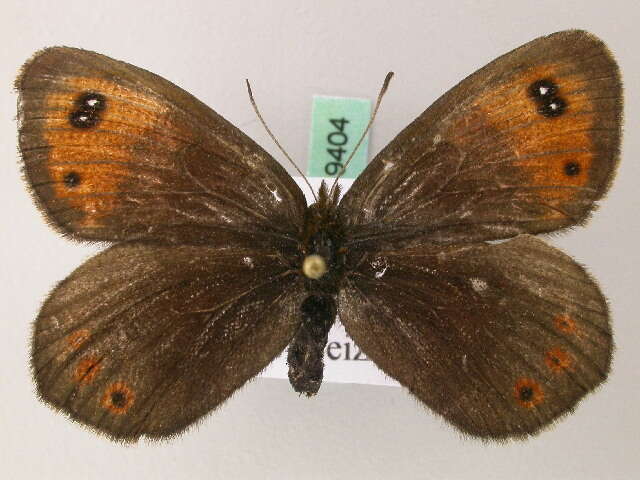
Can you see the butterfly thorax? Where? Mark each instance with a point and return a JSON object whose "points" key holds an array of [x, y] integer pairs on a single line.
{"points": [[322, 264], [321, 245]]}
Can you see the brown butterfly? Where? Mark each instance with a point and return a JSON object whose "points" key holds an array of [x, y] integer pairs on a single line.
{"points": [[218, 263]]}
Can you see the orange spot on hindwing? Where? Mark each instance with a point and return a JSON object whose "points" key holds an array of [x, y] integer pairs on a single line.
{"points": [[75, 339], [565, 323], [86, 370], [118, 398], [558, 360], [528, 392]]}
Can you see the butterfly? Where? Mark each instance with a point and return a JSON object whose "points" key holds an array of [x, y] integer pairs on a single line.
{"points": [[217, 264]]}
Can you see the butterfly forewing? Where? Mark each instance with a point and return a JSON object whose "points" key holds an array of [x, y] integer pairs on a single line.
{"points": [[113, 152], [527, 144], [146, 339], [498, 339]]}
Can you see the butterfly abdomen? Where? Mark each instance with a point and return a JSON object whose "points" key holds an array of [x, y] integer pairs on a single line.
{"points": [[306, 351]]}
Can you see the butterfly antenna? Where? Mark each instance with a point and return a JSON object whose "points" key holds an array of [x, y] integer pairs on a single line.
{"points": [[383, 90], [264, 124]]}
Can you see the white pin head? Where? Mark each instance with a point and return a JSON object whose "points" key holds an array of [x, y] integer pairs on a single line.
{"points": [[314, 266]]}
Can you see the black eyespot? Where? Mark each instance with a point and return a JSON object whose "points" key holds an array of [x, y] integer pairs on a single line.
{"points": [[92, 100], [71, 179], [543, 89], [572, 169], [119, 399], [526, 394], [89, 105], [84, 118], [553, 107]]}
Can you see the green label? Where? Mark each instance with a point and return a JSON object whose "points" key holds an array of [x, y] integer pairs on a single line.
{"points": [[336, 126]]}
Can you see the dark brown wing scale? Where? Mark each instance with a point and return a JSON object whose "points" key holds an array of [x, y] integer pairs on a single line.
{"points": [[113, 152], [499, 339], [487, 161], [146, 339], [223, 264]]}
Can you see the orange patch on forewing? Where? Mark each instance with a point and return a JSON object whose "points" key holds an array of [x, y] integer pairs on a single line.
{"points": [[528, 392], [92, 178], [100, 153], [558, 360], [128, 115], [565, 323], [534, 138], [118, 398], [75, 339], [86, 370]]}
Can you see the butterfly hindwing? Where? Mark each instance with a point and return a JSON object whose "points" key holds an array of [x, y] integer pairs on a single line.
{"points": [[526, 144], [499, 339], [113, 152], [144, 340]]}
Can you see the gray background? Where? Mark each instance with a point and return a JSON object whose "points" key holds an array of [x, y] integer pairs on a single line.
{"points": [[292, 50]]}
